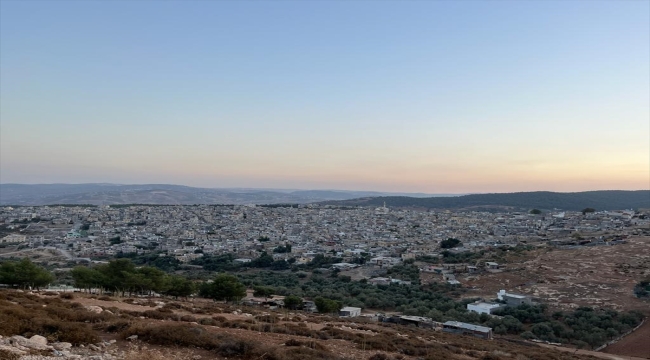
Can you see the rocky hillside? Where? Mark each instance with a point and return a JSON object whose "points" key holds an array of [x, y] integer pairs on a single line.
{"points": [[66, 326]]}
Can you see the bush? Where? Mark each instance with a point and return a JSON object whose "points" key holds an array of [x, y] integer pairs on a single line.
{"points": [[208, 321], [195, 336], [58, 321], [188, 318]]}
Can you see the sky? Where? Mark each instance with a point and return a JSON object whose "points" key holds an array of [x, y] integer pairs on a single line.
{"points": [[409, 96]]}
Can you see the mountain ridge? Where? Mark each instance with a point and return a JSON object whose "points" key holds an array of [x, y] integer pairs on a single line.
{"points": [[544, 200], [158, 194]]}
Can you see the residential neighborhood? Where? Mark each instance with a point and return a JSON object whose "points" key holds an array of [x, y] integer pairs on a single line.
{"points": [[379, 237]]}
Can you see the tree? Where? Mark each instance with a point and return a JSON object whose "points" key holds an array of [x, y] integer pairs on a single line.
{"points": [[115, 274], [536, 211], [450, 243], [179, 286], [86, 278], [327, 305], [282, 249], [157, 280], [588, 210], [224, 287], [264, 260], [263, 291], [24, 274], [292, 302]]}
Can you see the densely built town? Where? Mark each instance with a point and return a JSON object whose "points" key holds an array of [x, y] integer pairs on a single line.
{"points": [[365, 242], [384, 236]]}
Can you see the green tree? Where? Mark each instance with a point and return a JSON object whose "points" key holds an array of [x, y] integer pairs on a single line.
{"points": [[224, 287], [450, 243], [588, 210], [263, 291], [327, 305], [264, 260], [115, 275], [179, 286], [157, 280], [536, 211], [24, 274], [293, 302], [86, 278]]}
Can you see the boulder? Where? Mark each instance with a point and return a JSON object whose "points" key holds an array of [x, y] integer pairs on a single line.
{"points": [[95, 309], [38, 339], [28, 343]]}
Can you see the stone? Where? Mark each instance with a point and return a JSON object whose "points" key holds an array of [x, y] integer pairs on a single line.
{"points": [[38, 339], [132, 337], [28, 343], [94, 347], [95, 309], [11, 350], [61, 346]]}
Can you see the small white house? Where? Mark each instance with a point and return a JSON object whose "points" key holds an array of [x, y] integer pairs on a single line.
{"points": [[513, 299], [483, 307], [350, 311]]}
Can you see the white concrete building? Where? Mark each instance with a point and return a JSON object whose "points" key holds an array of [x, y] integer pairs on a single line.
{"points": [[483, 307]]}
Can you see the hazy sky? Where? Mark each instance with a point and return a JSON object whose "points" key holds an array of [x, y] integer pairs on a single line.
{"points": [[431, 96]]}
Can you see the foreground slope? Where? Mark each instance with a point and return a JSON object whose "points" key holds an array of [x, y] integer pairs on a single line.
{"points": [[203, 329]]}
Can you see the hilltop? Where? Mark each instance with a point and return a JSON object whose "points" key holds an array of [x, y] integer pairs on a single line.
{"points": [[545, 200], [165, 194]]}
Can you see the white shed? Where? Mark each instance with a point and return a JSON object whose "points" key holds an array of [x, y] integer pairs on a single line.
{"points": [[350, 311]]}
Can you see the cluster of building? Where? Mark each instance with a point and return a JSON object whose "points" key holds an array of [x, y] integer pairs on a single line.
{"points": [[383, 236], [361, 236]]}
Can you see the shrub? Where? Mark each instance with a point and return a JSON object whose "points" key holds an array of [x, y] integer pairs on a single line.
{"points": [[188, 318], [158, 315], [117, 326], [208, 321], [67, 296]]}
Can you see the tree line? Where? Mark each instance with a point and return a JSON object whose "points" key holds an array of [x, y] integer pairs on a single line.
{"points": [[24, 274]]}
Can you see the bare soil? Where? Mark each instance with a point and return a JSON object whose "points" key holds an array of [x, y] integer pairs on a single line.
{"points": [[602, 276], [636, 344]]}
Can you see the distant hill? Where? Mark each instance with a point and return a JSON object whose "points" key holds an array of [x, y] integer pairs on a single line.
{"points": [[599, 200], [163, 194]]}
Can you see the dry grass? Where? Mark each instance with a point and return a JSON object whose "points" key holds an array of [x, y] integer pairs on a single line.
{"points": [[59, 320], [27, 315], [144, 353]]}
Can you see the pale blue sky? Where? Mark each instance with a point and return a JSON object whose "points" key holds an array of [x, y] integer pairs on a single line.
{"points": [[434, 96]]}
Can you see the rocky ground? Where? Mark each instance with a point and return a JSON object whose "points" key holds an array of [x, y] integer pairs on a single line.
{"points": [[37, 347], [601, 276], [151, 329]]}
